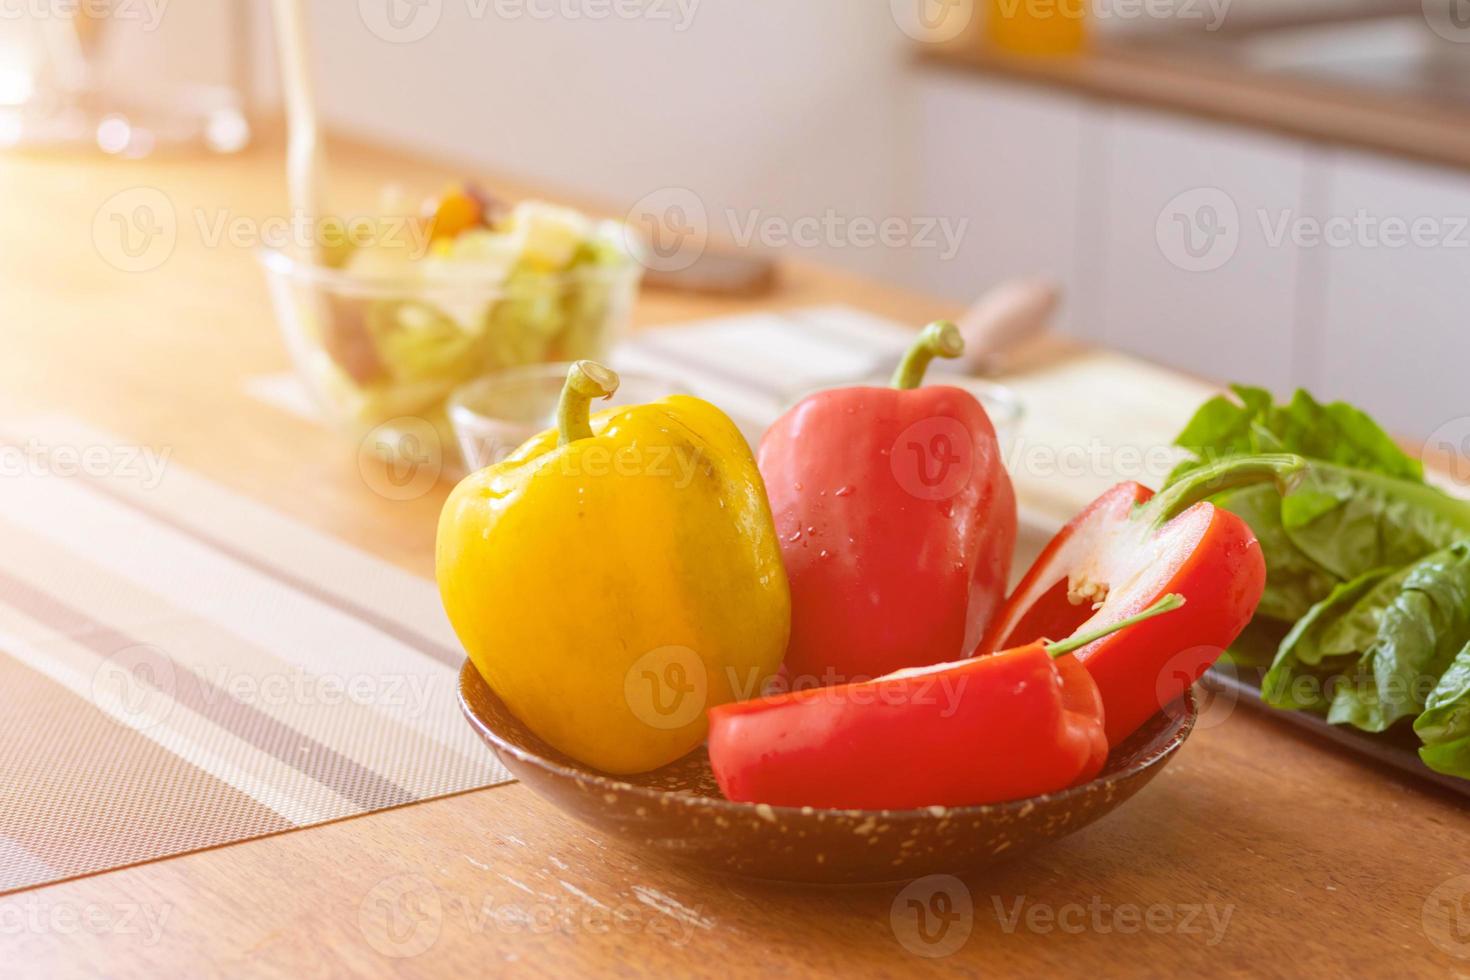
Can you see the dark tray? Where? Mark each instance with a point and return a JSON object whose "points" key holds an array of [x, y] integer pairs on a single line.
{"points": [[1398, 747]]}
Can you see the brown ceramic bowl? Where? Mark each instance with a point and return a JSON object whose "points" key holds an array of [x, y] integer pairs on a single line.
{"points": [[678, 810]]}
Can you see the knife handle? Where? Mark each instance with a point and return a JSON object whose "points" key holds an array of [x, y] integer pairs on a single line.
{"points": [[1004, 318]]}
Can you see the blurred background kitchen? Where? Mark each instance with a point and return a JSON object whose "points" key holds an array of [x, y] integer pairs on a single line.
{"points": [[1267, 190]]}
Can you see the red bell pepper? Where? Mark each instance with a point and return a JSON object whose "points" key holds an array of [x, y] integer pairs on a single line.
{"points": [[896, 519], [1118, 556], [983, 730]]}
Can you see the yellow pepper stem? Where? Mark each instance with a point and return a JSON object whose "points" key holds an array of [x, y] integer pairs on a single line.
{"points": [[939, 339], [585, 381]]}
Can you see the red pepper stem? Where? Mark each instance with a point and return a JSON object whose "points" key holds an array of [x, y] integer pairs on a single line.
{"points": [[585, 381], [939, 339], [1167, 604], [1284, 470]]}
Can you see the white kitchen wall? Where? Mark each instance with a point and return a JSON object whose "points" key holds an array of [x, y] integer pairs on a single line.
{"points": [[1395, 334], [771, 108], [1008, 159], [1185, 273]]}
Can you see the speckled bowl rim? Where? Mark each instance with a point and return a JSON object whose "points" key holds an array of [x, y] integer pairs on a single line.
{"points": [[1183, 725]]}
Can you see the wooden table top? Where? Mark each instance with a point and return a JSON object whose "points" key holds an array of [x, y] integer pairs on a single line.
{"points": [[1257, 850]]}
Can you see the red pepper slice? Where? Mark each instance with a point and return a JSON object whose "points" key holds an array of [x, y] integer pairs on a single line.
{"points": [[984, 730], [896, 518], [1128, 548]]}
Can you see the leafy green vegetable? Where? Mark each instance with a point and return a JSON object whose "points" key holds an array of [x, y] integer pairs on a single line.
{"points": [[1349, 522], [1363, 504], [1294, 582], [1372, 652], [1306, 661], [1419, 629], [1371, 564], [1444, 727], [1338, 524], [1336, 433]]}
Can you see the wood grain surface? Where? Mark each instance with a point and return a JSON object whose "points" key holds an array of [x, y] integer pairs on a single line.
{"points": [[1258, 851]]}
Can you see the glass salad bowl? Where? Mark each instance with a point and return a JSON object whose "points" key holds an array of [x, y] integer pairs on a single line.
{"points": [[385, 331]]}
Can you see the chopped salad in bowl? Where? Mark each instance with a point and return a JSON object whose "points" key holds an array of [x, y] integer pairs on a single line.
{"points": [[386, 326]]}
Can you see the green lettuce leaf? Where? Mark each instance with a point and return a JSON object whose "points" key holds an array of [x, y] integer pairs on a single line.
{"points": [[1349, 522], [1294, 582], [1362, 505], [1369, 562], [1305, 662], [1337, 525], [1444, 727], [1335, 433], [1374, 650], [1420, 628]]}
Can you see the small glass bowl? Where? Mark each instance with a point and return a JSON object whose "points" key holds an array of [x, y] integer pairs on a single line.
{"points": [[1002, 404], [493, 416], [374, 349]]}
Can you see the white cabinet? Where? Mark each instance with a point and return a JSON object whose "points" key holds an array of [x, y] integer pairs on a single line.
{"points": [[1215, 249], [1395, 334], [1009, 160], [1184, 269]]}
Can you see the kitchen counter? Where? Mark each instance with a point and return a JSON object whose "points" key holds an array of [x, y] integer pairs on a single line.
{"points": [[1258, 850], [1206, 79]]}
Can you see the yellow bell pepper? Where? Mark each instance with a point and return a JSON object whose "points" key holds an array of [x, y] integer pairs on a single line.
{"points": [[617, 576]]}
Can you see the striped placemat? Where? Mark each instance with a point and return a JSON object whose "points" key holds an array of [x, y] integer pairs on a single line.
{"points": [[181, 667]]}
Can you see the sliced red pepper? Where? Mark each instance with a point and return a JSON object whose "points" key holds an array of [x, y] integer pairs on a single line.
{"points": [[1128, 548], [985, 730], [896, 518]]}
